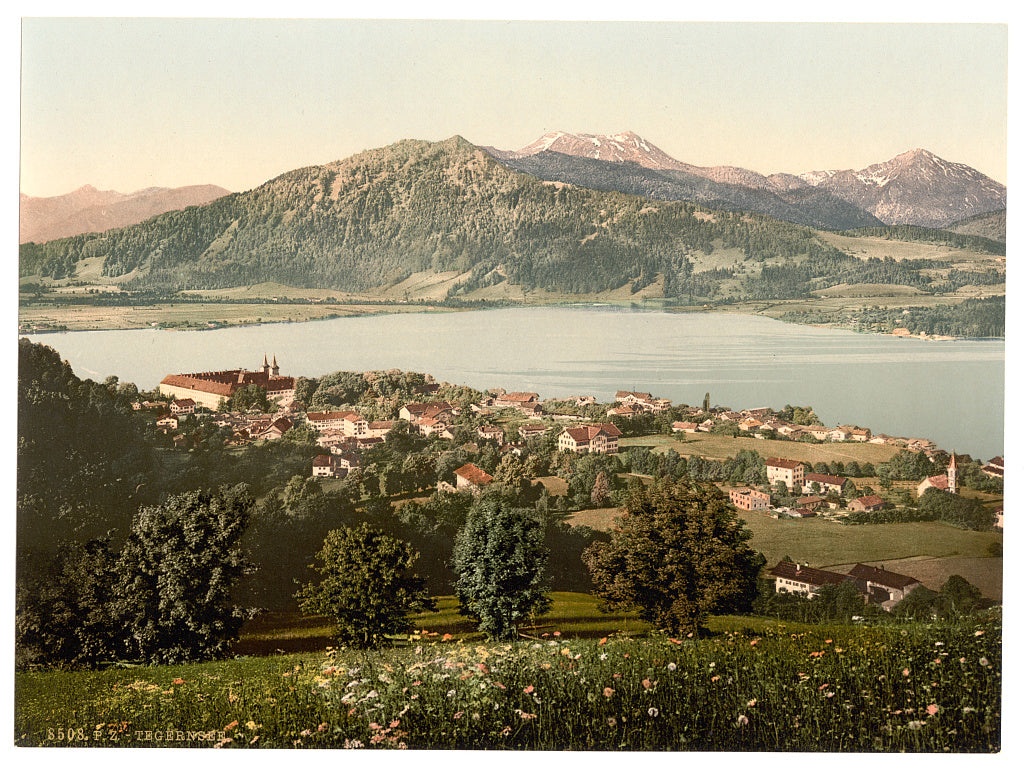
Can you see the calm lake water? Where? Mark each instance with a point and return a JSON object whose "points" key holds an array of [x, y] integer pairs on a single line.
{"points": [[948, 391]]}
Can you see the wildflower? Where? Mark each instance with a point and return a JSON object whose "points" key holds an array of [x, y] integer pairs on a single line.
{"points": [[451, 694], [483, 668], [829, 695], [979, 632], [652, 711], [251, 725], [671, 666], [603, 641], [458, 715], [608, 692], [305, 732], [933, 708], [178, 681], [646, 684], [612, 722], [558, 634], [254, 739], [394, 723], [742, 720], [715, 678], [915, 725], [446, 638], [752, 702], [352, 744], [983, 661], [372, 695], [754, 642], [528, 689], [604, 656], [232, 724], [906, 672]]}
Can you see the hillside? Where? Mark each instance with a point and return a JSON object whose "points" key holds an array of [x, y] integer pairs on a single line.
{"points": [[804, 206], [90, 210], [373, 220], [446, 220], [990, 225]]}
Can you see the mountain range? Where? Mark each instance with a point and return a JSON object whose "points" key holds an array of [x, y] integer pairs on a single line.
{"points": [[370, 223], [916, 187], [87, 209]]}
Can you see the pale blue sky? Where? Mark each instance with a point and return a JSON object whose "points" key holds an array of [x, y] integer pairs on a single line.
{"points": [[126, 104]]}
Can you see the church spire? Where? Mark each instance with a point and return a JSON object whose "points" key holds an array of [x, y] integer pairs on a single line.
{"points": [[951, 474]]}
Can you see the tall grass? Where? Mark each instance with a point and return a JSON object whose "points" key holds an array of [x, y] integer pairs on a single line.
{"points": [[759, 686]]}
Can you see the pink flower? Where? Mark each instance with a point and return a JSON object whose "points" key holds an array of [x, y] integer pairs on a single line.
{"points": [[906, 672], [646, 683], [557, 634], [528, 689], [742, 720], [933, 708], [609, 692]]}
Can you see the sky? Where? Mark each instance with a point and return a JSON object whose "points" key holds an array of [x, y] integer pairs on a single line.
{"points": [[127, 103]]}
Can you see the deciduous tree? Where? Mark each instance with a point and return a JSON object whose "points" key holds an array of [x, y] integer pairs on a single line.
{"points": [[501, 567], [366, 585], [678, 555]]}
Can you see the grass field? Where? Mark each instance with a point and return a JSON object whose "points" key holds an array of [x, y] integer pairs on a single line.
{"points": [[720, 447], [755, 685]]}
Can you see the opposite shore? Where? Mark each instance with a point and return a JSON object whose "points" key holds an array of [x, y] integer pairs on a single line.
{"points": [[77, 313]]}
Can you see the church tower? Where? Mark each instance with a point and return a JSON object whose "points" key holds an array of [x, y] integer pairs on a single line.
{"points": [[266, 366], [275, 369], [951, 482]]}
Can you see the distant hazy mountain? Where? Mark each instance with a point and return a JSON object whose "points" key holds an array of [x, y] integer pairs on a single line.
{"points": [[914, 188], [88, 209]]}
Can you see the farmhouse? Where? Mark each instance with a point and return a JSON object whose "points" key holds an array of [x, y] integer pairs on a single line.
{"points": [[882, 586], [868, 503], [183, 406], [825, 483], [748, 499], [348, 422], [493, 433], [801, 579], [209, 388], [596, 439], [790, 472], [469, 476]]}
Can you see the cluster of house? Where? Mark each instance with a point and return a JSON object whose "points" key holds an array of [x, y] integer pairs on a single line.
{"points": [[794, 475], [628, 404], [878, 585], [345, 433]]}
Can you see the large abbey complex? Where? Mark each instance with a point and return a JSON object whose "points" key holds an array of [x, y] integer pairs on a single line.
{"points": [[209, 388]]}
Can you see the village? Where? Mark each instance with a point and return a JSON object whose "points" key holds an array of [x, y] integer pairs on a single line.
{"points": [[509, 420]]}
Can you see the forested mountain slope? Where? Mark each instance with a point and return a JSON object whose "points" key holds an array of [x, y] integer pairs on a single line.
{"points": [[373, 219]]}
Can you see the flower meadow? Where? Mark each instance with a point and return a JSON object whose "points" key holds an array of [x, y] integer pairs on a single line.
{"points": [[761, 686]]}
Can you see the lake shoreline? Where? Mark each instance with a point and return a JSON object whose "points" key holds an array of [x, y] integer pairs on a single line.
{"points": [[61, 319]]}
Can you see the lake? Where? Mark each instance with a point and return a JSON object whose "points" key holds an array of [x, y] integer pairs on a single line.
{"points": [[948, 391]]}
